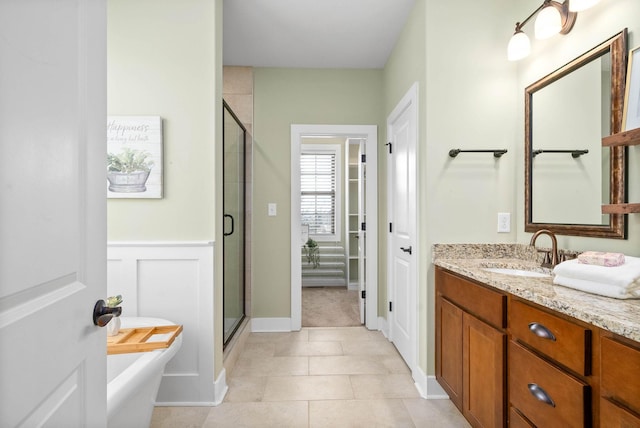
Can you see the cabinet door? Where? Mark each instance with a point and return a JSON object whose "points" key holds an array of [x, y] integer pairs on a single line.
{"points": [[484, 354], [615, 416], [449, 349], [620, 375]]}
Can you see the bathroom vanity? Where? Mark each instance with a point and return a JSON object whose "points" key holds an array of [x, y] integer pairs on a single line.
{"points": [[519, 351]]}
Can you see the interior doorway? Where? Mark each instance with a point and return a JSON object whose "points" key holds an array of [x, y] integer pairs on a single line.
{"points": [[402, 249], [332, 224]]}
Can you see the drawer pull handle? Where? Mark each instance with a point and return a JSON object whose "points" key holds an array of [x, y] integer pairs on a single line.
{"points": [[540, 394], [541, 331]]}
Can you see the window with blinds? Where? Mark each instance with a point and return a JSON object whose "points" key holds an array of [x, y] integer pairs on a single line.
{"points": [[319, 198]]}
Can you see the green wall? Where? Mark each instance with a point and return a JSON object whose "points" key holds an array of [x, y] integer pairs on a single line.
{"points": [[162, 62], [592, 27], [405, 66], [466, 100], [283, 97], [164, 58]]}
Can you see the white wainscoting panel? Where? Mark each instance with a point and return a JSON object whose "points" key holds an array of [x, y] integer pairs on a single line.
{"points": [[174, 281]]}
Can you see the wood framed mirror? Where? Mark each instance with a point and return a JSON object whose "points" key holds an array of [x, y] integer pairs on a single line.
{"points": [[568, 174]]}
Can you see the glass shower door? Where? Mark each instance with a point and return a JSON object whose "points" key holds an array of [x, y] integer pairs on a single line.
{"points": [[234, 140]]}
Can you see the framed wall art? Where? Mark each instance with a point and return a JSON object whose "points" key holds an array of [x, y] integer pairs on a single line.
{"points": [[134, 157]]}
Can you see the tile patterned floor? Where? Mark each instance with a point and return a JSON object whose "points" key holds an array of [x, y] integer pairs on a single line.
{"points": [[318, 377]]}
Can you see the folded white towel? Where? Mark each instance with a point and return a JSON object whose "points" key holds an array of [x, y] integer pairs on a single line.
{"points": [[632, 291], [621, 276]]}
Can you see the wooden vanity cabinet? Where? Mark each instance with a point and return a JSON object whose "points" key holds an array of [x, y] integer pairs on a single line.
{"points": [[504, 360], [550, 363], [619, 382], [471, 348]]}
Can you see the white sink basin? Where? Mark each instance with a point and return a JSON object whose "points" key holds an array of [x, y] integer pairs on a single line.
{"points": [[517, 272]]}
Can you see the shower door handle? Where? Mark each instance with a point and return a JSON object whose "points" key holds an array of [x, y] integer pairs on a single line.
{"points": [[232, 225]]}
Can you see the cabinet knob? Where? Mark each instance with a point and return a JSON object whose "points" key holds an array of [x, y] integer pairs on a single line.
{"points": [[540, 394], [541, 331]]}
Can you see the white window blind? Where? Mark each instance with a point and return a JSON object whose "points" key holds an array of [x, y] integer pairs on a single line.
{"points": [[318, 184]]}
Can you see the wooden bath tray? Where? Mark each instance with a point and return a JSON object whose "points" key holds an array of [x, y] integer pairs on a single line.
{"points": [[135, 339]]}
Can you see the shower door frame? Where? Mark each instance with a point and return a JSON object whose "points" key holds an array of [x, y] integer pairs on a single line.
{"points": [[242, 265]]}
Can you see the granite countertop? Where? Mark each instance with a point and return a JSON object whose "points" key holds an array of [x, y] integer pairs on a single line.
{"points": [[617, 316]]}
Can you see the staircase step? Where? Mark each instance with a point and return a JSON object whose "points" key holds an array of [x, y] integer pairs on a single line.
{"points": [[324, 265], [322, 272]]}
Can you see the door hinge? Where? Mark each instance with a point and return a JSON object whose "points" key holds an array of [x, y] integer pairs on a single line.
{"points": [[363, 158], [390, 227], [363, 294], [390, 306], [390, 147], [363, 226]]}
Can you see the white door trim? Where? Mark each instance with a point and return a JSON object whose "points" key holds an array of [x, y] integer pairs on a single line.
{"points": [[408, 101], [370, 132]]}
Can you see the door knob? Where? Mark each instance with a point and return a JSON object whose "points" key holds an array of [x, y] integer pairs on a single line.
{"points": [[406, 250], [102, 313]]}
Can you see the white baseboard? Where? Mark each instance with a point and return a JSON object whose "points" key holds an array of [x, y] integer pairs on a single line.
{"points": [[185, 404], [383, 327], [428, 386], [220, 387], [268, 325], [434, 390]]}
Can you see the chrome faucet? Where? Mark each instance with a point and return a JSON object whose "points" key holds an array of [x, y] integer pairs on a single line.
{"points": [[548, 261]]}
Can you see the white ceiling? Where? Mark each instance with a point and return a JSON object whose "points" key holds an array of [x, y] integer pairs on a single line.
{"points": [[312, 33]]}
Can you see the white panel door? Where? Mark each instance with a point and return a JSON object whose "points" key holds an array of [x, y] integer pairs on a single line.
{"points": [[52, 212], [402, 133], [362, 234]]}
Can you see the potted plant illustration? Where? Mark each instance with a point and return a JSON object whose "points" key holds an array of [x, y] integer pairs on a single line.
{"points": [[312, 250], [129, 170]]}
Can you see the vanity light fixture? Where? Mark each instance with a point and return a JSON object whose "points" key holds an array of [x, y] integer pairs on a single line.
{"points": [[553, 18]]}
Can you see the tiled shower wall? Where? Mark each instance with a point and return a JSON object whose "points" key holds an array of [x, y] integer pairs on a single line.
{"points": [[238, 93]]}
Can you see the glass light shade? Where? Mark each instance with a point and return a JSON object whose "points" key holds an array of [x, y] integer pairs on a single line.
{"points": [[578, 5], [548, 23], [519, 46]]}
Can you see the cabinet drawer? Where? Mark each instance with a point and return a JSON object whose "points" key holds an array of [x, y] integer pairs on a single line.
{"points": [[564, 341], [516, 420], [533, 380], [612, 415], [480, 301], [620, 372]]}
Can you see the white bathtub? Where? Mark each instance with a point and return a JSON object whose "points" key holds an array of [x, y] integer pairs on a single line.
{"points": [[133, 379]]}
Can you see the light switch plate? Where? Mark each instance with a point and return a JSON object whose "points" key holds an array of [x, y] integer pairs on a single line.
{"points": [[504, 222], [272, 209]]}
